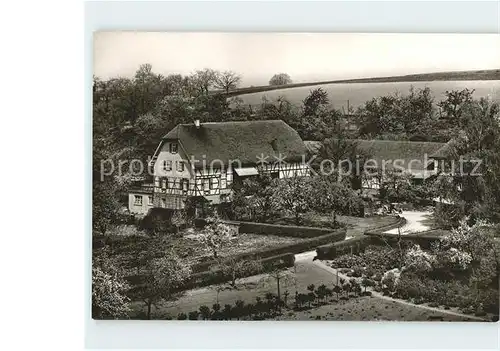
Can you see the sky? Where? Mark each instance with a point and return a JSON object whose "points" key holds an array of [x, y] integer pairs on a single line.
{"points": [[304, 56]]}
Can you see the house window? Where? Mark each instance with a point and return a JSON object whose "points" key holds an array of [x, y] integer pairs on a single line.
{"points": [[185, 184], [138, 200], [223, 183], [180, 166], [157, 182], [150, 200], [167, 165], [173, 148], [214, 183], [163, 203], [206, 184], [164, 183]]}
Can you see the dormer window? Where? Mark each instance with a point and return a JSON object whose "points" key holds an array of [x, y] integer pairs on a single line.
{"points": [[173, 148]]}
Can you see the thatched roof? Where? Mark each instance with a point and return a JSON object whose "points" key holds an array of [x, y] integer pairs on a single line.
{"points": [[446, 151], [389, 150], [243, 141]]}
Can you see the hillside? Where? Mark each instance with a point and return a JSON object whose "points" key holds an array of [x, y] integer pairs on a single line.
{"points": [[493, 74]]}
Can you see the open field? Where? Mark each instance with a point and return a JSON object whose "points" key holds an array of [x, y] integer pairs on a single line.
{"points": [[437, 76], [358, 93]]}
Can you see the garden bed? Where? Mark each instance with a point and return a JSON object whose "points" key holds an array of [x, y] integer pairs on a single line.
{"points": [[368, 309], [127, 249]]}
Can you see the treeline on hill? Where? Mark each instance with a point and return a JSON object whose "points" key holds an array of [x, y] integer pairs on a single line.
{"points": [[130, 115]]}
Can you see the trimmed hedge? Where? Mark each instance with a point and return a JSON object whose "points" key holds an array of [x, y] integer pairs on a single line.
{"points": [[351, 246], [295, 248], [282, 230], [208, 278], [423, 239]]}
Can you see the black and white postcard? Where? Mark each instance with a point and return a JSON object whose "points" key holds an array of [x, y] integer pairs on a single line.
{"points": [[295, 176]]}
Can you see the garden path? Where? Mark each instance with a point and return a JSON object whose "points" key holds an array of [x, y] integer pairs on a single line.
{"points": [[416, 221]]}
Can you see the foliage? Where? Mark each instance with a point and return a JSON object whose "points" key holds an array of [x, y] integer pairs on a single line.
{"points": [[378, 259], [397, 187], [216, 235], [291, 196], [280, 79], [471, 243], [255, 199], [179, 219], [453, 103], [417, 260], [318, 120], [105, 205], [162, 278], [235, 268], [398, 116], [330, 196], [473, 163], [109, 290]]}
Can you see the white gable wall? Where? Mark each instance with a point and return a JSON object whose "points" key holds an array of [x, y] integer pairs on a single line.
{"points": [[175, 158]]}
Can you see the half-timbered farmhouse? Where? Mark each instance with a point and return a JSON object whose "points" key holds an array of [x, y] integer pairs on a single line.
{"points": [[208, 160]]}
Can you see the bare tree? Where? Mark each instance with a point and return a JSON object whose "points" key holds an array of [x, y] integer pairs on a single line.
{"points": [[203, 80], [227, 80]]}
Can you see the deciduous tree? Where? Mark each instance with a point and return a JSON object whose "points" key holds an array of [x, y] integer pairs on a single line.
{"points": [[109, 289], [280, 79], [292, 195], [227, 80], [163, 277]]}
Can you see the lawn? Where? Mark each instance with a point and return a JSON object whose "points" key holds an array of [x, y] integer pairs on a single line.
{"points": [[355, 226]]}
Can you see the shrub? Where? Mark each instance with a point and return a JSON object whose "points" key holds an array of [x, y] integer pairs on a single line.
{"points": [[158, 221], [348, 261], [182, 316], [193, 315], [357, 271], [204, 312]]}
